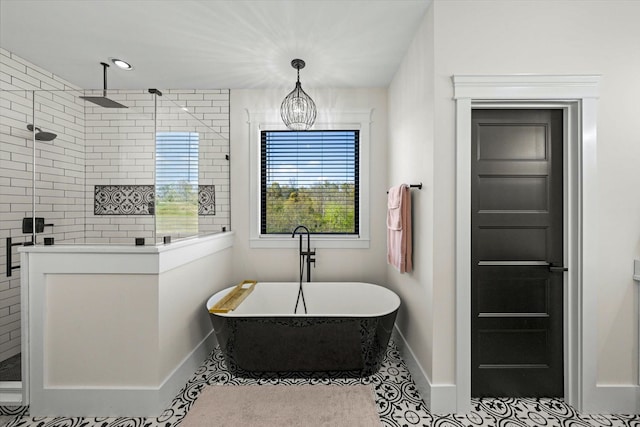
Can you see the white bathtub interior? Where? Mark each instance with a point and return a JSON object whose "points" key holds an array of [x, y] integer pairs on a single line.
{"points": [[338, 299]]}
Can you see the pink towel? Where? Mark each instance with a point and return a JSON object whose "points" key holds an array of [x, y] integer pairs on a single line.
{"points": [[399, 228]]}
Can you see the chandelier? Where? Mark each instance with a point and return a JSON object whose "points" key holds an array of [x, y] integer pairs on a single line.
{"points": [[298, 111]]}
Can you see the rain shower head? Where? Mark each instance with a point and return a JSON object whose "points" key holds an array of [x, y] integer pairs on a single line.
{"points": [[103, 101], [41, 135]]}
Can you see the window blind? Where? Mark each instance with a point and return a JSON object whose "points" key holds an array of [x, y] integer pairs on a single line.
{"points": [[310, 178], [177, 182]]}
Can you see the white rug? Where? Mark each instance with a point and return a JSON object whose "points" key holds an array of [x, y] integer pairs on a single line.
{"points": [[284, 405]]}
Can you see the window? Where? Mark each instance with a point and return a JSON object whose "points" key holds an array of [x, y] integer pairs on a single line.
{"points": [[177, 183], [357, 120], [310, 178]]}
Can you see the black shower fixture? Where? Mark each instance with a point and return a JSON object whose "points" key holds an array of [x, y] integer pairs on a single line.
{"points": [[103, 101], [42, 135]]}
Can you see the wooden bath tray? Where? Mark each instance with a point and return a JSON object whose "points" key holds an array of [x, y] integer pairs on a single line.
{"points": [[233, 298]]}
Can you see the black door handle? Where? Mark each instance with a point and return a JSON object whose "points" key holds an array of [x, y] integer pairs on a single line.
{"points": [[555, 269]]}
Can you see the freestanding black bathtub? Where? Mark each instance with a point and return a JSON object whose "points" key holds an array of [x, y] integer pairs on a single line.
{"points": [[347, 328]]}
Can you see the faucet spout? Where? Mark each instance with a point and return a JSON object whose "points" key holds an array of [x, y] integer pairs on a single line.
{"points": [[295, 230]]}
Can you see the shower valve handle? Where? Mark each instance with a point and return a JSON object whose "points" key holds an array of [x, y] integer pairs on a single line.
{"points": [[310, 256]]}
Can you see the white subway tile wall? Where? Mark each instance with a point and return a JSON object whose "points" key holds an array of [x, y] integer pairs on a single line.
{"points": [[59, 177], [94, 146]]}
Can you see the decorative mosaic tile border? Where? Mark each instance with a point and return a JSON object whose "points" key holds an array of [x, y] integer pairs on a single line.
{"points": [[123, 200], [140, 200], [206, 199]]}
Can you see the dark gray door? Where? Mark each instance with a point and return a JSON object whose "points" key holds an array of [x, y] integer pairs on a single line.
{"points": [[517, 253]]}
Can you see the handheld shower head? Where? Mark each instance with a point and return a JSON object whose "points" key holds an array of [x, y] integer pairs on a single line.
{"points": [[41, 135]]}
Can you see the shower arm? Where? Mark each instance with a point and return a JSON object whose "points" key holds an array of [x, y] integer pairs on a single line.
{"points": [[104, 78]]}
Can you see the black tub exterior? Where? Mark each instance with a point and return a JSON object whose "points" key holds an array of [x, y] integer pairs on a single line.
{"points": [[354, 346]]}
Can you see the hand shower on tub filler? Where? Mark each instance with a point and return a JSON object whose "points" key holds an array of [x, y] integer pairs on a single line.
{"points": [[306, 258]]}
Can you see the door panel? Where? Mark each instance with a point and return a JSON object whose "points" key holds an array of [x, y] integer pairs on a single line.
{"points": [[512, 193], [502, 243], [513, 295], [511, 141], [516, 219]]}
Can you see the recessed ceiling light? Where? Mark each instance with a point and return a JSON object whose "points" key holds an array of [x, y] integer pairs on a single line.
{"points": [[121, 64]]}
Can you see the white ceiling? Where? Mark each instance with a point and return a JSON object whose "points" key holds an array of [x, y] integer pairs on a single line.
{"points": [[200, 44]]}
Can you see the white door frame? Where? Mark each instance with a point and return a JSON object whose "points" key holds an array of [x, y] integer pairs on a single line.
{"points": [[577, 96]]}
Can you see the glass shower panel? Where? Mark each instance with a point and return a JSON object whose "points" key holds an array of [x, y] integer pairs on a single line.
{"points": [[192, 166], [119, 166], [16, 183], [215, 201], [59, 167], [177, 153], [95, 160]]}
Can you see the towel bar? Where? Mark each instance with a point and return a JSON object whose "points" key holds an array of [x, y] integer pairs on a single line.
{"points": [[418, 186]]}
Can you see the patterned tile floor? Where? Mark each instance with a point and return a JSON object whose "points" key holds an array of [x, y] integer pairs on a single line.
{"points": [[398, 401]]}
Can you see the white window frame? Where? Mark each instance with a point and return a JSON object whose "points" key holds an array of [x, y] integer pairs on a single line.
{"points": [[347, 120]]}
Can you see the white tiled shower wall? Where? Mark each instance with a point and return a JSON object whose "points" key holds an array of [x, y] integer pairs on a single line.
{"points": [[94, 146], [60, 172]]}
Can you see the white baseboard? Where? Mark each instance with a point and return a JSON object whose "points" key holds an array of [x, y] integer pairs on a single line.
{"points": [[442, 398], [11, 393], [181, 374], [613, 399], [439, 398], [125, 401]]}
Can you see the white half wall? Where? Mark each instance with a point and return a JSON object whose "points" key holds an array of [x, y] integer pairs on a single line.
{"points": [[86, 345], [118, 330]]}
